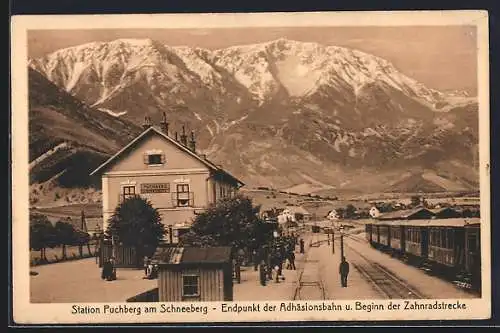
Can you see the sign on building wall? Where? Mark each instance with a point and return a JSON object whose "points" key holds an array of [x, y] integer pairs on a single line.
{"points": [[155, 188]]}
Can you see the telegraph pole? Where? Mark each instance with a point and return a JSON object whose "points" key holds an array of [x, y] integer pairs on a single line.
{"points": [[341, 242]]}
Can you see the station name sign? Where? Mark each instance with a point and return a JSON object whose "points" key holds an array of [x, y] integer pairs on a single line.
{"points": [[155, 188]]}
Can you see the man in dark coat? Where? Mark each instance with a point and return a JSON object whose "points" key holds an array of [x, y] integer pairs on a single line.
{"points": [[344, 272], [301, 245]]}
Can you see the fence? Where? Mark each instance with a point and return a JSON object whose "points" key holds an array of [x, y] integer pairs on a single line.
{"points": [[125, 257]]}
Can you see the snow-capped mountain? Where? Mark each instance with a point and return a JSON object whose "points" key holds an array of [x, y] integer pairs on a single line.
{"points": [[294, 111]]}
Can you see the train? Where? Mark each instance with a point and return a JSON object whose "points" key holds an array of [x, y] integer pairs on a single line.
{"points": [[449, 247]]}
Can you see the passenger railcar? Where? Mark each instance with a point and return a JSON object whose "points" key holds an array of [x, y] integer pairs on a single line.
{"points": [[450, 246]]}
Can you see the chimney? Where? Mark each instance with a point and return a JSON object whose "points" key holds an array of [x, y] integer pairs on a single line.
{"points": [[192, 142], [184, 136], [164, 124], [147, 123]]}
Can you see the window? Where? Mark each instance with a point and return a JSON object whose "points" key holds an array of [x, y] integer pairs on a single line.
{"points": [[190, 285], [183, 198], [128, 192], [154, 159]]}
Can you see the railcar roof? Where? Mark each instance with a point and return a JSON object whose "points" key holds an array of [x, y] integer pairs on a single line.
{"points": [[452, 222]]}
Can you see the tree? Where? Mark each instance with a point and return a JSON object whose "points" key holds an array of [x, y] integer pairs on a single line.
{"points": [[350, 210], [299, 216], [81, 238], [136, 223], [230, 222], [42, 234], [415, 201], [65, 233]]}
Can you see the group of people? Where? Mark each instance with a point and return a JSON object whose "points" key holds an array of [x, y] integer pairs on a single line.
{"points": [[150, 269], [271, 259], [281, 252]]}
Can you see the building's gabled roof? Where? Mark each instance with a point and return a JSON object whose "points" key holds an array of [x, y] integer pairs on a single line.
{"points": [[154, 130], [193, 255], [404, 214]]}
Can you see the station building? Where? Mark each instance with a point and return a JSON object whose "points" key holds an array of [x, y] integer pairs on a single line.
{"points": [[167, 171]]}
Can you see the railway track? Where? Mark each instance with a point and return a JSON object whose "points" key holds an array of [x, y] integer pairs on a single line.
{"points": [[384, 281], [309, 285]]}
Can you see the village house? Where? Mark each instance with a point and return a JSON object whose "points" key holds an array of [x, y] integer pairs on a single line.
{"points": [[168, 172], [333, 215], [374, 212], [294, 213], [419, 213], [446, 213]]}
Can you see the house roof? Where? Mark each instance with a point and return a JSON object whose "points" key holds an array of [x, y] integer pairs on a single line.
{"points": [[403, 214], [192, 255], [441, 210], [154, 130], [453, 222]]}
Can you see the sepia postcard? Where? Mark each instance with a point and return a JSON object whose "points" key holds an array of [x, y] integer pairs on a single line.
{"points": [[252, 167]]}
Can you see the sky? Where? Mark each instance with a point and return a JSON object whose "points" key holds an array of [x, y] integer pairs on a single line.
{"points": [[441, 57]]}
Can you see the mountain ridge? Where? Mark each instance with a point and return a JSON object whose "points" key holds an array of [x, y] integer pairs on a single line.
{"points": [[291, 109]]}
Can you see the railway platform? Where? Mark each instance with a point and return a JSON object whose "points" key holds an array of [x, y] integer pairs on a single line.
{"points": [[373, 275]]}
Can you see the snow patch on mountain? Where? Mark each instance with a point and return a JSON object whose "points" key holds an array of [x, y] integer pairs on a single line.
{"points": [[301, 68], [197, 115], [113, 113]]}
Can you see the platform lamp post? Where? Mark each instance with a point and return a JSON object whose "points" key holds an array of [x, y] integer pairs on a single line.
{"points": [[341, 229], [98, 236]]}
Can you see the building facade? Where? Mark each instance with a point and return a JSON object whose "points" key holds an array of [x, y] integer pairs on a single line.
{"points": [[169, 173]]}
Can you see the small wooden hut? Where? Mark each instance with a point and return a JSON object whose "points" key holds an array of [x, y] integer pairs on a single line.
{"points": [[194, 274]]}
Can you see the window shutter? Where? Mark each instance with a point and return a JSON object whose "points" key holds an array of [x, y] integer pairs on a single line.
{"points": [[162, 158], [146, 158]]}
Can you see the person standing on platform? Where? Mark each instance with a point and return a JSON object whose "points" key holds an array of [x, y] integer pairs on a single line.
{"points": [[291, 259], [301, 242], [262, 273], [112, 261], [146, 265], [344, 272]]}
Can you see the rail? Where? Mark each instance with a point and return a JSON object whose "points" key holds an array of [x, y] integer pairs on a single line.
{"points": [[383, 280], [315, 283]]}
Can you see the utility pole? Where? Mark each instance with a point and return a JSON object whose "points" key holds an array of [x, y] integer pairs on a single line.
{"points": [[341, 242]]}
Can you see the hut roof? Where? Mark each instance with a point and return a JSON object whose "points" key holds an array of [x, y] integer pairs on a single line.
{"points": [[193, 255]]}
